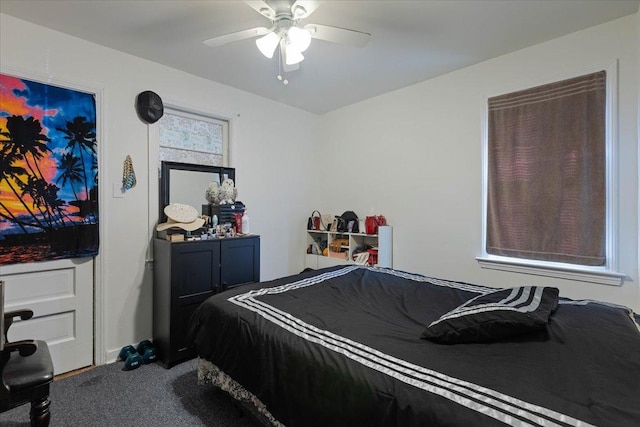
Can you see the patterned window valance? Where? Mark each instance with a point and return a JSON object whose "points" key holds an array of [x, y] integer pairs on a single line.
{"points": [[190, 138]]}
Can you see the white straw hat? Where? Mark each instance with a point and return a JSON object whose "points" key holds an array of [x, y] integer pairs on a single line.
{"points": [[181, 216]]}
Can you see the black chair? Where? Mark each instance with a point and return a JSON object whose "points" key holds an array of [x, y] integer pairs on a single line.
{"points": [[26, 370]]}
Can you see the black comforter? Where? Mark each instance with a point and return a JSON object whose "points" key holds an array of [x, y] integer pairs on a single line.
{"points": [[341, 347]]}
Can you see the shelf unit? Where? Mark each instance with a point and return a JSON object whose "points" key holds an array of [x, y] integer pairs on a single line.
{"points": [[383, 241]]}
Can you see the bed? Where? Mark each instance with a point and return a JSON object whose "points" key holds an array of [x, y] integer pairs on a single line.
{"points": [[355, 346]]}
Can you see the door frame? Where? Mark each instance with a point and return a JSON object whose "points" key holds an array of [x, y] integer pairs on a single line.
{"points": [[99, 268]]}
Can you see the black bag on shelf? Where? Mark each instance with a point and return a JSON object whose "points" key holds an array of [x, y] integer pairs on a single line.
{"points": [[348, 222]]}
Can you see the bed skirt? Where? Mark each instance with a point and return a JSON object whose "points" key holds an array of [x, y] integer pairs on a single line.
{"points": [[208, 373]]}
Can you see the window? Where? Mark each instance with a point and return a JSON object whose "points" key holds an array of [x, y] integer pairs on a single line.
{"points": [[191, 138], [547, 200]]}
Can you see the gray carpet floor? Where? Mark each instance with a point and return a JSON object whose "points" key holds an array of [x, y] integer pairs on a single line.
{"points": [[148, 396]]}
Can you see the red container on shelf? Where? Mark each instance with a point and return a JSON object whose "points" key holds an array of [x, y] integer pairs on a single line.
{"points": [[373, 256], [371, 223], [238, 220]]}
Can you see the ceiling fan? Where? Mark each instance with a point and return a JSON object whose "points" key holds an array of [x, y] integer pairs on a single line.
{"points": [[287, 32]]}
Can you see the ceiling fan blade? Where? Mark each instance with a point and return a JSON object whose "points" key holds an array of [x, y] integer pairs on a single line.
{"points": [[301, 9], [232, 37], [262, 8], [338, 35]]}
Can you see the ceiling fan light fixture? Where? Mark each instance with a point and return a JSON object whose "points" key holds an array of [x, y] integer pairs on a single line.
{"points": [[300, 38], [267, 44], [292, 55]]}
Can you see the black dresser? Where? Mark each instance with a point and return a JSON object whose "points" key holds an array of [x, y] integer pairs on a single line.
{"points": [[187, 273]]}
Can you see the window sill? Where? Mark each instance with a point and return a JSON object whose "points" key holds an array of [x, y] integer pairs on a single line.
{"points": [[602, 277]]}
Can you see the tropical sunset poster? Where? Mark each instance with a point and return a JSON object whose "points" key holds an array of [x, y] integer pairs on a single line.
{"points": [[48, 172]]}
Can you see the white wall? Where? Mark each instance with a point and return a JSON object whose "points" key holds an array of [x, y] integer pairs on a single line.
{"points": [[414, 155], [271, 146]]}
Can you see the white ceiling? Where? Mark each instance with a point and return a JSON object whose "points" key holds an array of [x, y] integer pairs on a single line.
{"points": [[411, 40]]}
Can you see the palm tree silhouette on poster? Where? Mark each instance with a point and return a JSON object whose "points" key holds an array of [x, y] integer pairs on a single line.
{"points": [[82, 139], [23, 145], [24, 141], [72, 171]]}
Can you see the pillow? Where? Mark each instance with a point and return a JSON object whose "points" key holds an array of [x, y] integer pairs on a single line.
{"points": [[496, 315]]}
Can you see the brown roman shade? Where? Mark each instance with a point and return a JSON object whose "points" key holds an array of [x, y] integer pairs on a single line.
{"points": [[546, 172]]}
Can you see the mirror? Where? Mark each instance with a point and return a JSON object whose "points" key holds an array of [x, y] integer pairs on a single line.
{"points": [[187, 183]]}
